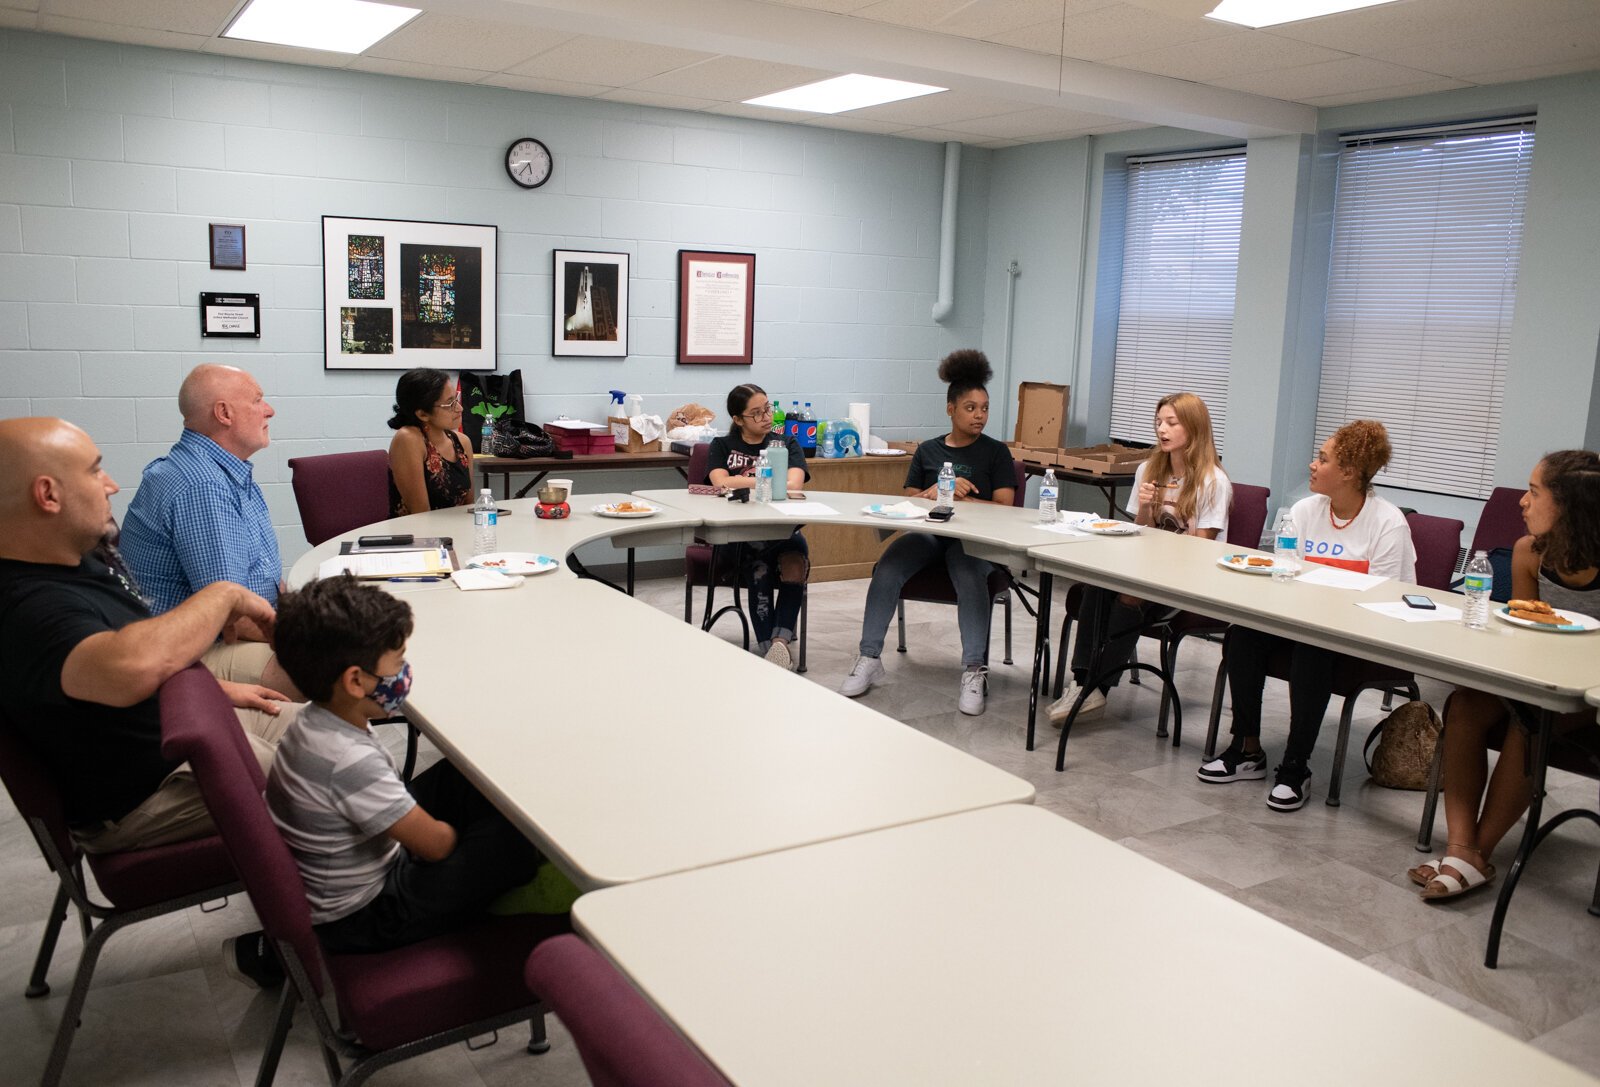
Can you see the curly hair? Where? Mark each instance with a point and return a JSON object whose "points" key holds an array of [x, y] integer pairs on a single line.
{"points": [[417, 390], [1572, 477], [965, 370], [1362, 445], [333, 623], [1199, 456]]}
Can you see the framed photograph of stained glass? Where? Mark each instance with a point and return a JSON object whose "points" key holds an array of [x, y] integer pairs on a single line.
{"points": [[589, 310], [398, 293]]}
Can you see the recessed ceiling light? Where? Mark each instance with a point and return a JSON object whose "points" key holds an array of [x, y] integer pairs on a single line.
{"points": [[1259, 13], [338, 26], [843, 93]]}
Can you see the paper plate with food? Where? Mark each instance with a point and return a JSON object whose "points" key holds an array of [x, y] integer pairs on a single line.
{"points": [[1108, 528], [1246, 563], [1538, 615], [514, 562], [899, 511], [632, 508]]}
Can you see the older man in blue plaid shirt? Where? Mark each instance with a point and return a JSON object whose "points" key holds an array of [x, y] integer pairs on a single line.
{"points": [[199, 516]]}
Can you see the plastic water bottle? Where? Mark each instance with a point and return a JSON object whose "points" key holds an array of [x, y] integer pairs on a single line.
{"points": [[486, 441], [1048, 490], [947, 487], [1285, 548], [763, 478], [830, 447], [485, 520], [1477, 581]]}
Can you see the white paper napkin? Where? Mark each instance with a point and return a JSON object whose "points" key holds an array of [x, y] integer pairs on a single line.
{"points": [[473, 580], [1316, 573], [1397, 609]]}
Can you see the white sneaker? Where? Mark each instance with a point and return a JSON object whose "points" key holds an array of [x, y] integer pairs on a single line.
{"points": [[863, 674], [778, 653], [974, 691], [1062, 706]]}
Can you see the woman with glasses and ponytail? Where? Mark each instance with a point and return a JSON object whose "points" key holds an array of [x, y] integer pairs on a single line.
{"points": [[775, 571], [430, 463]]}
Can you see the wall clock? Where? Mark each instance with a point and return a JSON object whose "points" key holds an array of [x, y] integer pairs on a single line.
{"points": [[528, 162]]}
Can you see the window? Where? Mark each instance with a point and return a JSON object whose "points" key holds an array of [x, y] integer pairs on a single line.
{"points": [[1180, 259], [1427, 240]]}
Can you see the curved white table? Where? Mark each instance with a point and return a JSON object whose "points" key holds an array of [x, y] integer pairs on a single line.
{"points": [[637, 746], [1010, 946]]}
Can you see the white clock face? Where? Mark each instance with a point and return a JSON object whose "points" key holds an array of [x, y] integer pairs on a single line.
{"points": [[528, 162]]}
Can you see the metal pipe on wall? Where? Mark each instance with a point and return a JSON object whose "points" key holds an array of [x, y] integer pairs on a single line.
{"points": [[947, 234]]}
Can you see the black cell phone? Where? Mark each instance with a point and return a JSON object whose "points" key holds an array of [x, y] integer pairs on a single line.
{"points": [[501, 511], [941, 513], [1422, 603], [398, 540]]}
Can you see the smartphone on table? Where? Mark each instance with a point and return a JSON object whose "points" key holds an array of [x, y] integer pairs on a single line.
{"points": [[1418, 601]]}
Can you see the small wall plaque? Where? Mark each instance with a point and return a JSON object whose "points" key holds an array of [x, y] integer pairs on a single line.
{"points": [[230, 314], [227, 246]]}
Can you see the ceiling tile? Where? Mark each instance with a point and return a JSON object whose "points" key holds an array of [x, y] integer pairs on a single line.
{"points": [[938, 109], [835, 6], [728, 79], [1543, 71], [617, 62], [1569, 42], [1417, 22], [655, 98], [1233, 55], [19, 5], [975, 18], [1328, 77], [466, 43], [815, 120], [1038, 38], [133, 35], [17, 19], [411, 69], [544, 86], [180, 16], [1376, 94], [1123, 29]]}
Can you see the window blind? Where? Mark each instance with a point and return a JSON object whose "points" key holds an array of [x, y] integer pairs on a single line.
{"points": [[1427, 242], [1180, 260]]}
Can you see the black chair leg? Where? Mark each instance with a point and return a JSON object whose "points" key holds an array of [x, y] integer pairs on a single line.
{"points": [[38, 985], [538, 1040], [1061, 649], [1430, 803], [1007, 596], [1214, 719], [1340, 748], [688, 599], [805, 606], [900, 609]]}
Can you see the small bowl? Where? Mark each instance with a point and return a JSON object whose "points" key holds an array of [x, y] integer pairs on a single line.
{"points": [[553, 496]]}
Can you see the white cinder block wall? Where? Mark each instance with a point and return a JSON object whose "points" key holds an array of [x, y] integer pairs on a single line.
{"points": [[113, 160]]}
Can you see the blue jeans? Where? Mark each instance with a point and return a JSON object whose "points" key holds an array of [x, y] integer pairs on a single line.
{"points": [[903, 558], [774, 603]]}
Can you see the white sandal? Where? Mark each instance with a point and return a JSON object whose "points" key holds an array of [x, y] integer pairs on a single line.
{"points": [[1470, 879], [1425, 873]]}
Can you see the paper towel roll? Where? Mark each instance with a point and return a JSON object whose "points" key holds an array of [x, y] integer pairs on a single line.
{"points": [[862, 414]]}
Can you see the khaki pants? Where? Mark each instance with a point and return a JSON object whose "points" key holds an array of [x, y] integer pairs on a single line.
{"points": [[175, 812]]}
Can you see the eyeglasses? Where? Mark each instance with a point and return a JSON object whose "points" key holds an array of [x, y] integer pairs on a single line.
{"points": [[759, 413], [449, 405]]}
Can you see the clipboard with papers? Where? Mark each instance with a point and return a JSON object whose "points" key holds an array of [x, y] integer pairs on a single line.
{"points": [[425, 557]]}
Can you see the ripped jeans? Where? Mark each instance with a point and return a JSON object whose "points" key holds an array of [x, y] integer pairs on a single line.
{"points": [[774, 603]]}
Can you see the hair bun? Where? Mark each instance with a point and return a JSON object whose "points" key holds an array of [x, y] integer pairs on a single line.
{"points": [[966, 368]]}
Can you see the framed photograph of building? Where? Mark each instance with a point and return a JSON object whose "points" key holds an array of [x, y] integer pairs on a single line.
{"points": [[397, 294], [716, 307], [590, 309]]}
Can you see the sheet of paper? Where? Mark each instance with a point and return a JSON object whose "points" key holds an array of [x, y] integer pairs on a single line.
{"points": [[377, 564], [1396, 609], [805, 509], [1316, 573], [473, 580]]}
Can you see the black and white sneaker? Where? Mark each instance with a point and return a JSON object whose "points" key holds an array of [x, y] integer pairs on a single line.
{"points": [[250, 960], [1234, 764], [1292, 787]]}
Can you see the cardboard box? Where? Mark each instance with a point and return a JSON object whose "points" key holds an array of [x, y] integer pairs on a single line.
{"points": [[1102, 460], [1042, 415], [627, 439]]}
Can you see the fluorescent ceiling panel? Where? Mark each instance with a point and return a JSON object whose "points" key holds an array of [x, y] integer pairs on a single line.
{"points": [[844, 93], [1259, 13], [338, 26]]}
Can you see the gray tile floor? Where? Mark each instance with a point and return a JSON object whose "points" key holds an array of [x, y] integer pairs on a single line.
{"points": [[163, 1012]]}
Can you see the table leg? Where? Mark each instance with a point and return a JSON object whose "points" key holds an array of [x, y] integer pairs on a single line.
{"points": [[630, 571], [528, 486], [1041, 648], [1530, 835]]}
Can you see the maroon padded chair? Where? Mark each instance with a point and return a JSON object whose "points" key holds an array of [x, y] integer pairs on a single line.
{"points": [[338, 492], [1437, 545], [391, 1005], [1500, 524], [137, 885], [709, 566], [1247, 518], [623, 1040], [932, 585]]}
